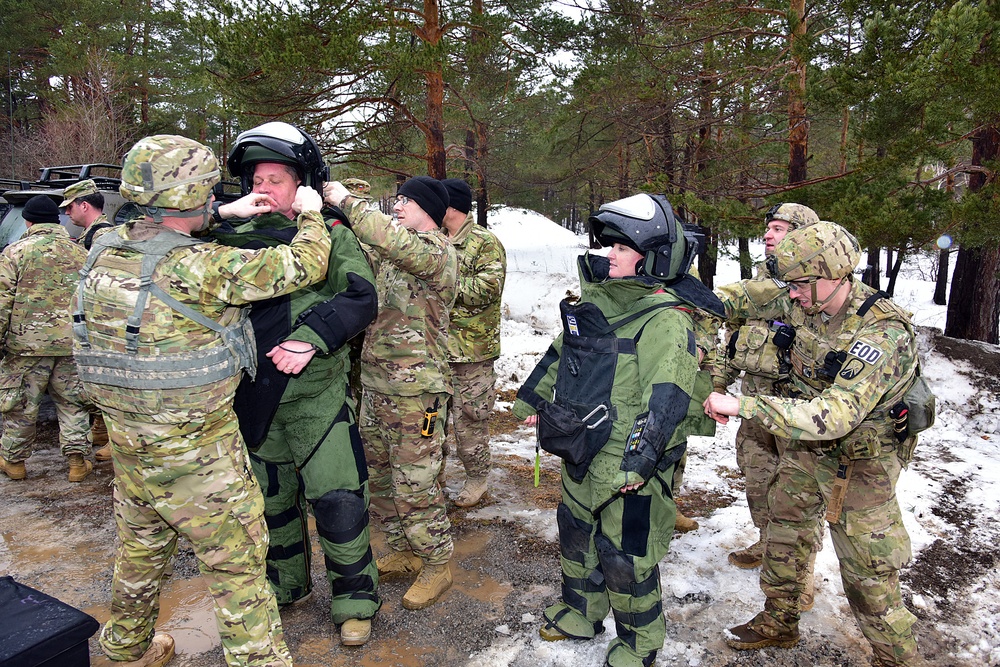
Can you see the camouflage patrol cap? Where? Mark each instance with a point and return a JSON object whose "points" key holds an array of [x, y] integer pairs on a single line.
{"points": [[169, 171], [796, 215], [81, 189], [822, 250], [357, 187]]}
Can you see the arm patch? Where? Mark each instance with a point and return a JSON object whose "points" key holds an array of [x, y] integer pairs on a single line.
{"points": [[866, 352]]}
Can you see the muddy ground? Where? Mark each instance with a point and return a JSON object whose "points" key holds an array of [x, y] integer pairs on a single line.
{"points": [[59, 538]]}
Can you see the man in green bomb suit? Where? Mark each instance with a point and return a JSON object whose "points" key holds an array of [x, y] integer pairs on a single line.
{"points": [[296, 416]]}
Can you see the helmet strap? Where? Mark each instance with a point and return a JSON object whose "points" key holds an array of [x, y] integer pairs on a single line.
{"points": [[817, 306]]}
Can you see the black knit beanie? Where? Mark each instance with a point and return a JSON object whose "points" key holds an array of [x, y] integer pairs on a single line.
{"points": [[41, 210], [429, 194], [459, 193]]}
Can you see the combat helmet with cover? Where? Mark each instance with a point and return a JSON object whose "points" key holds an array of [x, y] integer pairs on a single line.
{"points": [[167, 171], [797, 216], [823, 250], [280, 143]]}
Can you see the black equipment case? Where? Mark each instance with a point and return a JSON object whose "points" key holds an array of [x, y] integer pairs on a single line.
{"points": [[37, 630]]}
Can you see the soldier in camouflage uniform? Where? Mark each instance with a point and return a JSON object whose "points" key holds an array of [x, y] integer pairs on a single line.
{"points": [[748, 350], [407, 381], [474, 337], [853, 358], [38, 275], [84, 204], [162, 343], [621, 375], [295, 416]]}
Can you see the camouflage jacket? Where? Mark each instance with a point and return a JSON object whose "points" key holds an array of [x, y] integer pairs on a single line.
{"points": [[213, 280], [879, 361], [745, 302], [406, 347], [475, 318], [38, 277], [100, 225]]}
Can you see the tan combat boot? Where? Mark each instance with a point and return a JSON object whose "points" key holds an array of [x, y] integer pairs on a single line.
{"points": [[103, 454], [79, 468], [431, 584], [749, 558], [398, 563], [355, 631], [14, 470], [98, 431], [684, 524], [472, 492], [159, 653]]}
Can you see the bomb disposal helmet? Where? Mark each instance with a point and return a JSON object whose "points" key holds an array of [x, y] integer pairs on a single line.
{"points": [[281, 143], [646, 223]]}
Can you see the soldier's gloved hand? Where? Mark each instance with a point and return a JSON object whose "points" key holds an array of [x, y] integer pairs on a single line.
{"points": [[627, 481], [307, 199], [334, 193], [248, 206]]}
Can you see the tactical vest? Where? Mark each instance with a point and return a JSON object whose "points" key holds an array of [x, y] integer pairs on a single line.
{"points": [[578, 421], [148, 374], [817, 362]]}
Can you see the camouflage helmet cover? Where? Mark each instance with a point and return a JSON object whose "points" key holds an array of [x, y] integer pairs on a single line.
{"points": [[796, 215], [77, 190], [822, 250], [169, 171]]}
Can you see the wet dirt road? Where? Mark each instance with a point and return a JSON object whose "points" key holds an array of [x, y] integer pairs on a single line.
{"points": [[59, 537]]}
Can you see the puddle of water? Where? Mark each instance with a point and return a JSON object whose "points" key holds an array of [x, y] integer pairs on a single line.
{"points": [[475, 583], [186, 612]]}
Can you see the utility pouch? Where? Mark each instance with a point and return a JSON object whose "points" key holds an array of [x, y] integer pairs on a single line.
{"points": [[839, 491], [922, 405], [430, 420], [862, 443], [561, 432], [11, 391], [751, 348]]}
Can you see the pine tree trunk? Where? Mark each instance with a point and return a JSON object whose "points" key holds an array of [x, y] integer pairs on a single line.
{"points": [[941, 282], [974, 306]]}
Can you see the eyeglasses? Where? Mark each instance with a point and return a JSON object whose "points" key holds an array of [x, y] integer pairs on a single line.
{"points": [[402, 200]]}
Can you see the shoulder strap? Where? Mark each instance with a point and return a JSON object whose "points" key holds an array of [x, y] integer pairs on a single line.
{"points": [[870, 301], [153, 251], [634, 316]]}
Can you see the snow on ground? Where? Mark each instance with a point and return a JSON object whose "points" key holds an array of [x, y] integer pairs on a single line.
{"points": [[703, 594]]}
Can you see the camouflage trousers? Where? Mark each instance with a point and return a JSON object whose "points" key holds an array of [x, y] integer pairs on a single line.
{"points": [[190, 480], [609, 561], [313, 454], [757, 456], [23, 381], [403, 467], [869, 538], [475, 394]]}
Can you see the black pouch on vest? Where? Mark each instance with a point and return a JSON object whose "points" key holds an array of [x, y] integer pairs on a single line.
{"points": [[561, 432]]}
